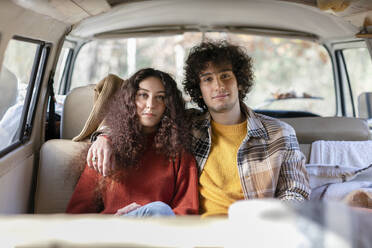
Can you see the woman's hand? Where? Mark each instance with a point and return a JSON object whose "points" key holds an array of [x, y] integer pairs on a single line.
{"points": [[100, 156], [128, 208]]}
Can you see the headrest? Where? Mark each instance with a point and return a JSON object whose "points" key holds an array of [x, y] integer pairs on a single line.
{"points": [[103, 91], [310, 129], [83, 105], [76, 109]]}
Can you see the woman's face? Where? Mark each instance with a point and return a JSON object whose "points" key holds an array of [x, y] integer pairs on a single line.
{"points": [[150, 102]]}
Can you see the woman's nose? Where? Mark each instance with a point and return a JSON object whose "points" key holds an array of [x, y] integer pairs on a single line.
{"points": [[150, 103]]}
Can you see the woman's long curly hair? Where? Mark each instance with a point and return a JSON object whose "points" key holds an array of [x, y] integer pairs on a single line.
{"points": [[127, 138], [217, 53]]}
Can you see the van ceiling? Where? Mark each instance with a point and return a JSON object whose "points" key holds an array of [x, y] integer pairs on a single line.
{"points": [[214, 15], [100, 18]]}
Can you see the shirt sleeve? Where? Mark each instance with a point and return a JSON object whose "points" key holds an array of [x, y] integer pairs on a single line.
{"points": [[293, 182], [186, 198], [85, 199], [102, 129]]}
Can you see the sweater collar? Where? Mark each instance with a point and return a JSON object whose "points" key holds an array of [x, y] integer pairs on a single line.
{"points": [[255, 128]]}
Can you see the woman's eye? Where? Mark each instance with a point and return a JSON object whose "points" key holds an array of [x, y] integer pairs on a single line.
{"points": [[161, 98], [142, 95]]}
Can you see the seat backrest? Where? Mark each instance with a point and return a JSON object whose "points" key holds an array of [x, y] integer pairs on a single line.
{"points": [[56, 180], [76, 109], [310, 129]]}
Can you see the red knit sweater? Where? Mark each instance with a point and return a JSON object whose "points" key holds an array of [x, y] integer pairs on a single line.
{"points": [[156, 179]]}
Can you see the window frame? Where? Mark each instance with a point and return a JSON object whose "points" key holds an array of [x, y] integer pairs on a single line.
{"points": [[343, 80], [25, 126]]}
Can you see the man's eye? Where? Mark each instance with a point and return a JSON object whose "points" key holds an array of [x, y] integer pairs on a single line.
{"points": [[207, 79], [225, 76]]}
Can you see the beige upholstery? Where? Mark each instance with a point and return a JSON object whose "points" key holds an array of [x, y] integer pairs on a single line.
{"points": [[310, 129], [76, 109], [55, 184]]}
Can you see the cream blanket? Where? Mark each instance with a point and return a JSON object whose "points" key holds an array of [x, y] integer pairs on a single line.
{"points": [[341, 170]]}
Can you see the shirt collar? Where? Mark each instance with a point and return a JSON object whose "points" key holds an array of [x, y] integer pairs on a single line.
{"points": [[255, 128]]}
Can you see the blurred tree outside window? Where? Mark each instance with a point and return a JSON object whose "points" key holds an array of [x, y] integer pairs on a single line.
{"points": [[289, 74]]}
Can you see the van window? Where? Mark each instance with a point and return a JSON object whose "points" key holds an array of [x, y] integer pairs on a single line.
{"points": [[62, 66], [359, 69], [124, 57], [290, 74], [18, 74]]}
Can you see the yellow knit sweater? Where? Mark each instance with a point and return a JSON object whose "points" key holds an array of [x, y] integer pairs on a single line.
{"points": [[219, 182]]}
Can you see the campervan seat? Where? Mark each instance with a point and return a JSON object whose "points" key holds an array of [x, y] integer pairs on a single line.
{"points": [[55, 180], [310, 129], [55, 185], [76, 109]]}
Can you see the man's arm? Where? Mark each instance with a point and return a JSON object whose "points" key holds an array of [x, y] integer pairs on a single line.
{"points": [[101, 151], [293, 182]]}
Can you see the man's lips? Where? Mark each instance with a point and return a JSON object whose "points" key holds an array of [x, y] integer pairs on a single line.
{"points": [[220, 96]]}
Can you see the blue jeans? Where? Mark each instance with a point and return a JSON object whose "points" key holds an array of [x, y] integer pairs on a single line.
{"points": [[157, 209]]}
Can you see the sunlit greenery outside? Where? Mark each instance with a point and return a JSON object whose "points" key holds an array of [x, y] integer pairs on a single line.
{"points": [[298, 69]]}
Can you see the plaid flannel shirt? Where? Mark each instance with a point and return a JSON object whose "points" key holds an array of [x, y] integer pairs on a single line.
{"points": [[269, 160]]}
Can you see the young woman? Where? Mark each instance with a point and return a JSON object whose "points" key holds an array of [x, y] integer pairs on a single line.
{"points": [[154, 174]]}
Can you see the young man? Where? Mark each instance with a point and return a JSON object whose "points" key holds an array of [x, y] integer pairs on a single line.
{"points": [[240, 154]]}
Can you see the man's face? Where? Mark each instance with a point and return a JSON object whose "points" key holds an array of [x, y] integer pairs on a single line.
{"points": [[219, 88]]}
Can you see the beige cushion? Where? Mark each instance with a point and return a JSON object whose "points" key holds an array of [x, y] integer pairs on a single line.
{"points": [[76, 109], [310, 129], [55, 184]]}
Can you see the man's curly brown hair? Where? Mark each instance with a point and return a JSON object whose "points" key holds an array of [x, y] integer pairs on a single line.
{"points": [[127, 138], [217, 53]]}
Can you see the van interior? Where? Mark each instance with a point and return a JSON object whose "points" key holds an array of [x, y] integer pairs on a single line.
{"points": [[313, 70]]}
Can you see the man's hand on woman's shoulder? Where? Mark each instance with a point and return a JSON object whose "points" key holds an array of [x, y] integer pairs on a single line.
{"points": [[100, 156]]}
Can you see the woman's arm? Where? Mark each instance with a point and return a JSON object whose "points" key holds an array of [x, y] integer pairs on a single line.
{"points": [[186, 199], [85, 198]]}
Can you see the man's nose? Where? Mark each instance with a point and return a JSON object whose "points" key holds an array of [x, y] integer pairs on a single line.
{"points": [[218, 83]]}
